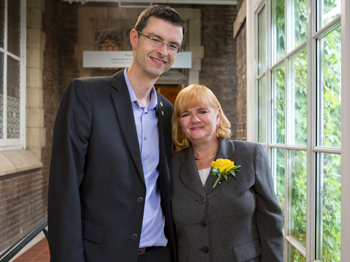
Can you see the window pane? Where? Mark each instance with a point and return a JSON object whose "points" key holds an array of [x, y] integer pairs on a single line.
{"points": [[262, 42], [2, 22], [278, 31], [13, 96], [297, 160], [14, 22], [299, 95], [294, 255], [278, 170], [1, 95], [262, 110], [330, 186], [329, 116], [300, 22], [330, 9], [278, 106]]}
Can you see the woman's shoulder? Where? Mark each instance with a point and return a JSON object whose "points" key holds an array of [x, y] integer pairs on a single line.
{"points": [[242, 146]]}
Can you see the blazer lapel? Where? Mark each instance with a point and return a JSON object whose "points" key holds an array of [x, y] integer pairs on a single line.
{"points": [[189, 173], [123, 108], [164, 176], [225, 151]]}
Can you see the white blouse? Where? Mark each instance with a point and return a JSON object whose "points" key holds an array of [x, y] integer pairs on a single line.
{"points": [[203, 174]]}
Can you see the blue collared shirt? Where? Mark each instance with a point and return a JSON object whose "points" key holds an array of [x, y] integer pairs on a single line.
{"points": [[146, 121]]}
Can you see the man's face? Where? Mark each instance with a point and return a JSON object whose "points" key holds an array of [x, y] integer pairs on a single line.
{"points": [[150, 59]]}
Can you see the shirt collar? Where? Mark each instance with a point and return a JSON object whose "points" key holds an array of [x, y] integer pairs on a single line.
{"points": [[153, 102]]}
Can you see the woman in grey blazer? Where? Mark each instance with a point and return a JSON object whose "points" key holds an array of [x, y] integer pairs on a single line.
{"points": [[237, 219]]}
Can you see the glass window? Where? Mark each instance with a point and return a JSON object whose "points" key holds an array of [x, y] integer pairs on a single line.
{"points": [[299, 22], [294, 255], [2, 22], [262, 110], [298, 90], [329, 114], [278, 31], [301, 91], [329, 232], [330, 9], [297, 195], [12, 70], [278, 169], [278, 98], [262, 42]]}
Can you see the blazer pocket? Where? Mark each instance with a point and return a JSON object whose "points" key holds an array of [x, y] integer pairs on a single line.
{"points": [[247, 251], [93, 231]]}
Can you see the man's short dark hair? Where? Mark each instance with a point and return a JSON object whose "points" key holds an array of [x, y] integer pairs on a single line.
{"points": [[163, 12]]}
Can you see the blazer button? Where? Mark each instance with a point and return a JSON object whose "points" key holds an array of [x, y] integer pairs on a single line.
{"points": [[140, 199], [203, 223], [202, 200], [205, 249], [134, 236]]}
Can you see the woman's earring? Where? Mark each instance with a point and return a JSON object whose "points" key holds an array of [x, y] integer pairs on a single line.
{"points": [[217, 131]]}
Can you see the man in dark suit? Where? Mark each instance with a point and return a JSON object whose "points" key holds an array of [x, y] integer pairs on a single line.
{"points": [[109, 178]]}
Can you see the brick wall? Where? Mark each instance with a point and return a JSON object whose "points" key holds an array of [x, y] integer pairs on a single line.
{"points": [[68, 41], [218, 70], [23, 196], [241, 74], [51, 80]]}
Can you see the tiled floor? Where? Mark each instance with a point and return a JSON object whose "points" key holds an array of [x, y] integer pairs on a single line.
{"points": [[37, 253]]}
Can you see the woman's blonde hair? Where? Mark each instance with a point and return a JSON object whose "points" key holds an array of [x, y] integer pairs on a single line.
{"points": [[193, 96]]}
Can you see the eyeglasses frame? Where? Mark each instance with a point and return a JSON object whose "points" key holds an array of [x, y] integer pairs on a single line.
{"points": [[179, 49]]}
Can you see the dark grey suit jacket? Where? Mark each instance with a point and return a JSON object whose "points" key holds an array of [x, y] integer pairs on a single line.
{"points": [[238, 220], [96, 186]]}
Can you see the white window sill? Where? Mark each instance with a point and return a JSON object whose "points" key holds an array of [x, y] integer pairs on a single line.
{"points": [[14, 161]]}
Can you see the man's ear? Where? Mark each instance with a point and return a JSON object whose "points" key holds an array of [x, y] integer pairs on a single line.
{"points": [[134, 38]]}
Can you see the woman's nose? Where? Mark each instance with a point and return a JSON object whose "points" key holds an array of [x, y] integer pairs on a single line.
{"points": [[195, 119]]}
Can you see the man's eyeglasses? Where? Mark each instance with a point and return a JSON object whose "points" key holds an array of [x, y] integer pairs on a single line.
{"points": [[173, 48]]}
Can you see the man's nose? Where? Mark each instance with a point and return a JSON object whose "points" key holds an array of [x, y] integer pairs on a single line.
{"points": [[163, 49]]}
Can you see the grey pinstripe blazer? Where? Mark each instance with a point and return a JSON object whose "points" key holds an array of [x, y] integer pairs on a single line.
{"points": [[238, 220]]}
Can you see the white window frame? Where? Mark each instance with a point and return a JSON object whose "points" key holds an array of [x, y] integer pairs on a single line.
{"points": [[253, 8], [5, 143]]}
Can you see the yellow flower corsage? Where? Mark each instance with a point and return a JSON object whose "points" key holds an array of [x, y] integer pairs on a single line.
{"points": [[222, 168]]}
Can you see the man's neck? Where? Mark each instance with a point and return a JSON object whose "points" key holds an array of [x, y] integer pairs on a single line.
{"points": [[141, 85]]}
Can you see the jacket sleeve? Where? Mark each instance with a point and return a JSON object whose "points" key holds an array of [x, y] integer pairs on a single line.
{"points": [[269, 215], [69, 147]]}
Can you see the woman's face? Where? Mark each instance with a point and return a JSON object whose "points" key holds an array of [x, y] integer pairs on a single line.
{"points": [[199, 123]]}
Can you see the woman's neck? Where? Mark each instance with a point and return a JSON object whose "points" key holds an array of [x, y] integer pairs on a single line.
{"points": [[202, 151]]}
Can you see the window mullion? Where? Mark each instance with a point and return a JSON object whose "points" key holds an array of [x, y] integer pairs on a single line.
{"points": [[23, 78], [311, 134], [5, 72], [345, 130]]}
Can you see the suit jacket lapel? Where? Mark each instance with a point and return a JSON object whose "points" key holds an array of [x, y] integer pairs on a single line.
{"points": [[164, 176], [123, 108], [225, 151], [189, 173]]}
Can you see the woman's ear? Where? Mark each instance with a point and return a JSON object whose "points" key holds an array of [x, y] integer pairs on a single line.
{"points": [[218, 117]]}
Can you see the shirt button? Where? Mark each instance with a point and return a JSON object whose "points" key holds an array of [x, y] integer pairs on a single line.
{"points": [[205, 249], [134, 236], [140, 199], [145, 138], [202, 200]]}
